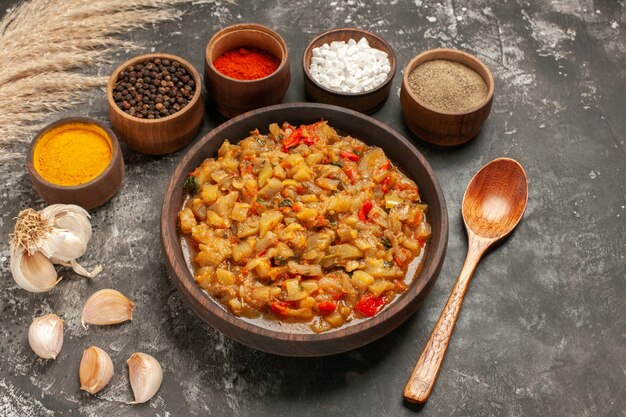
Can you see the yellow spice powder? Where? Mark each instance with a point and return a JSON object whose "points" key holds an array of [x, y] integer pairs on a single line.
{"points": [[72, 153]]}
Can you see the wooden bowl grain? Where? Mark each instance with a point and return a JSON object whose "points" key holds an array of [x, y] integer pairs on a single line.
{"points": [[157, 136], [232, 97], [366, 102], [280, 340], [90, 194], [438, 127]]}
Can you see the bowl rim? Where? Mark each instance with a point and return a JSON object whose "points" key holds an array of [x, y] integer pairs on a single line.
{"points": [[116, 152], [194, 295], [435, 54], [390, 53], [144, 57], [245, 27]]}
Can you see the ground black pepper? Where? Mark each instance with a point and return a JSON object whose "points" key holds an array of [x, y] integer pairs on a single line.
{"points": [[153, 89], [448, 86]]}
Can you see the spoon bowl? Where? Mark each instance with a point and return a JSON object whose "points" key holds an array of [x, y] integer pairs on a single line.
{"points": [[493, 204], [495, 199]]}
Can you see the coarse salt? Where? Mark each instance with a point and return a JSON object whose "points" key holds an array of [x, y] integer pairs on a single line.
{"points": [[349, 67]]}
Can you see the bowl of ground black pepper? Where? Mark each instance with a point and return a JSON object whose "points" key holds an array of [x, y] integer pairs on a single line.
{"points": [[446, 96], [246, 67], [155, 103]]}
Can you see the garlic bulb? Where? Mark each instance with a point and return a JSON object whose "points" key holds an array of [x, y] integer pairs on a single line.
{"points": [[107, 307], [145, 374], [45, 336], [96, 369], [58, 234]]}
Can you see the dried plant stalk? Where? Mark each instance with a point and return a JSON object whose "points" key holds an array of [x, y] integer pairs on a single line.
{"points": [[45, 43]]}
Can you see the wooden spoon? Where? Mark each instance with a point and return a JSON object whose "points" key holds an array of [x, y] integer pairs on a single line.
{"points": [[493, 205]]}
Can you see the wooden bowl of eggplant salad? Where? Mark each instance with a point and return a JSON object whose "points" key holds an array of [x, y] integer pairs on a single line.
{"points": [[304, 229]]}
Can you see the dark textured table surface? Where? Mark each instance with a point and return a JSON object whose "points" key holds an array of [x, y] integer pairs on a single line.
{"points": [[543, 328]]}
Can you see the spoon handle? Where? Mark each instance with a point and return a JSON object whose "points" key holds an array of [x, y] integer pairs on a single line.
{"points": [[421, 381]]}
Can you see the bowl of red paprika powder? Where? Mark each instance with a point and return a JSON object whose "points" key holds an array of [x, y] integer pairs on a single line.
{"points": [[246, 67]]}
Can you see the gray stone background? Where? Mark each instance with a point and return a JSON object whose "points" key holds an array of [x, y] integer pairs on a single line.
{"points": [[542, 331]]}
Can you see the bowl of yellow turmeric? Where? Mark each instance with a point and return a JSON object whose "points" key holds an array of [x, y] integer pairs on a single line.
{"points": [[76, 160]]}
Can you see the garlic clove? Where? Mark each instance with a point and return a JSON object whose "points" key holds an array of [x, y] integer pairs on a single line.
{"points": [[61, 245], [45, 336], [107, 307], [145, 374], [96, 369], [70, 217], [34, 272]]}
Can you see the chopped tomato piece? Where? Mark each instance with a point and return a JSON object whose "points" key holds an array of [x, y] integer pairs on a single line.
{"points": [[385, 183], [321, 221], [281, 307], [350, 171], [339, 296], [369, 305], [326, 307], [278, 307], [298, 136], [349, 155], [365, 209], [255, 208], [293, 139]]}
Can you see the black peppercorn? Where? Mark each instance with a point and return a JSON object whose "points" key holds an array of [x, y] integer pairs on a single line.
{"points": [[153, 89]]}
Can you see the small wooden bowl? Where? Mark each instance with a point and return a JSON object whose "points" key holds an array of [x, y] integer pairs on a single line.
{"points": [[283, 339], [232, 97], [366, 102], [157, 136], [90, 194], [438, 127]]}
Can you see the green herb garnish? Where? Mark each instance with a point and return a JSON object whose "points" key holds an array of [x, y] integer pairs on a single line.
{"points": [[279, 261], [285, 203], [332, 221], [191, 185], [386, 242], [337, 164]]}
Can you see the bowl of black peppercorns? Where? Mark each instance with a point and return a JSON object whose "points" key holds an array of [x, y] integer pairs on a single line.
{"points": [[155, 103]]}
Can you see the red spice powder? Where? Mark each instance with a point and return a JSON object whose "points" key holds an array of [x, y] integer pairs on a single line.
{"points": [[247, 63]]}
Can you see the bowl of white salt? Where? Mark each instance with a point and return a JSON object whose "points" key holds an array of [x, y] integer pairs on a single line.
{"points": [[349, 67]]}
